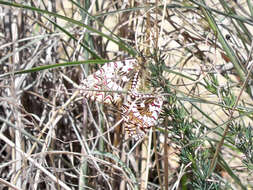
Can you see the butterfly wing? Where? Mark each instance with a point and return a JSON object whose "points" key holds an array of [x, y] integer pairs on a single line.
{"points": [[141, 114], [105, 84]]}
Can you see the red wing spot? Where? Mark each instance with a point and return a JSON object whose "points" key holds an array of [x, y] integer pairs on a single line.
{"points": [[108, 98], [96, 87], [100, 94], [153, 118], [100, 71], [115, 64]]}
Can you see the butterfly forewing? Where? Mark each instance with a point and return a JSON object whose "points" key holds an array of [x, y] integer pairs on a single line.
{"points": [[105, 85]]}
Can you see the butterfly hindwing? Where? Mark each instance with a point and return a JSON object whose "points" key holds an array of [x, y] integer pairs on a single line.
{"points": [[141, 114]]}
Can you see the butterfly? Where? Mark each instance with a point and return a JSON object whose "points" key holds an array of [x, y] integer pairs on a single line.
{"points": [[139, 110]]}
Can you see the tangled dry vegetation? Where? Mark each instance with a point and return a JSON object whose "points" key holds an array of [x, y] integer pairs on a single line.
{"points": [[199, 55]]}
